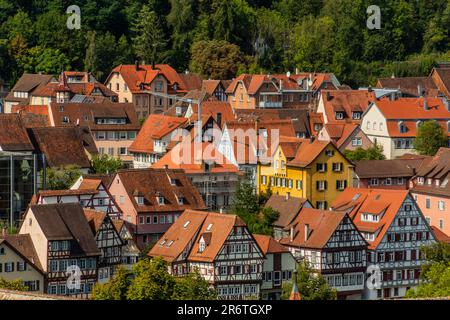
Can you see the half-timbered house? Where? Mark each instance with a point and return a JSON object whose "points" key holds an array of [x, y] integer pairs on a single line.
{"points": [[330, 243], [108, 241], [395, 228], [130, 251], [220, 247], [65, 246], [278, 267], [90, 192]]}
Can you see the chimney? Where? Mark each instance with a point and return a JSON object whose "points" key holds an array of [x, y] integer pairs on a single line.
{"points": [[296, 70], [306, 231], [292, 233], [419, 90], [4, 231], [137, 65], [425, 105]]}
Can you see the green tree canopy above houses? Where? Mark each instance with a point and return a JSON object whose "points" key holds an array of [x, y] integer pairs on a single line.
{"points": [[268, 35]]}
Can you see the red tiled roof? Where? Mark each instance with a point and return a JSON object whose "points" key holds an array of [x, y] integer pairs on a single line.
{"points": [[371, 200], [322, 224], [269, 245], [347, 101], [410, 85], [440, 235], [189, 157], [13, 134], [155, 127], [413, 109]]}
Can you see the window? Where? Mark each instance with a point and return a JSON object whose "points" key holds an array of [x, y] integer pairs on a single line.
{"points": [[161, 201], [341, 184], [356, 115], [441, 205], [299, 184], [339, 115], [373, 182], [428, 203], [356, 142], [321, 185], [441, 224], [337, 167], [321, 167], [322, 205], [123, 151]]}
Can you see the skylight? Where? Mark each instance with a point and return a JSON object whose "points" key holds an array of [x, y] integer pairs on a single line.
{"points": [[356, 197], [169, 243], [209, 227], [186, 224]]}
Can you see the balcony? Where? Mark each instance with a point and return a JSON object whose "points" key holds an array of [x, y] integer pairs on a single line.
{"points": [[270, 104]]}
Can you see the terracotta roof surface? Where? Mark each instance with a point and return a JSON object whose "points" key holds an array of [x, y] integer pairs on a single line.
{"points": [[287, 208], [269, 245], [192, 156], [66, 221], [387, 168], [346, 101], [155, 128], [214, 228], [28, 83], [308, 151], [440, 235], [62, 146], [413, 109], [151, 183], [23, 244], [321, 223], [95, 219], [410, 85], [13, 134], [358, 201]]}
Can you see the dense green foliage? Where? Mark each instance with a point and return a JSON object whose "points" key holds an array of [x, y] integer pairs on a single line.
{"points": [[430, 137], [249, 206], [311, 285], [372, 153], [105, 164], [151, 281], [12, 285], [435, 274], [62, 178], [268, 35]]}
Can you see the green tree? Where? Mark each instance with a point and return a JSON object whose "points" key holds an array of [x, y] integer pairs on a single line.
{"points": [[115, 289], [311, 285], [430, 137], [216, 59], [44, 60], [372, 153], [193, 287], [249, 206], [149, 41], [61, 178], [151, 281], [12, 285], [105, 164]]}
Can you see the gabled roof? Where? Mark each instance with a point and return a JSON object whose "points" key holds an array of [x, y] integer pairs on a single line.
{"points": [[251, 82], [444, 76], [346, 101], [23, 246], [413, 109], [269, 245], [288, 208], [410, 85], [387, 168], [321, 223], [27, 83], [192, 156], [440, 235], [340, 132], [155, 127], [85, 114], [191, 81], [192, 225], [62, 146], [386, 203], [308, 151], [214, 108], [66, 221], [13, 134], [437, 167], [151, 183]]}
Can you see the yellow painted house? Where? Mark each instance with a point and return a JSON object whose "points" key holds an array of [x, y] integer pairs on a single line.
{"points": [[302, 168]]}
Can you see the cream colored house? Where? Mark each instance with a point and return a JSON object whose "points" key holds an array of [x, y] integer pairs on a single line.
{"points": [[18, 261], [393, 124]]}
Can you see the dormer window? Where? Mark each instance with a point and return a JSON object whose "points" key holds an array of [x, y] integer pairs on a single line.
{"points": [[339, 115], [61, 108], [65, 119], [139, 200], [401, 127], [161, 200], [201, 245], [356, 115], [180, 200]]}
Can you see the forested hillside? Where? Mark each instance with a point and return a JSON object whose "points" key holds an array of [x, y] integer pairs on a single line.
{"points": [[221, 38]]}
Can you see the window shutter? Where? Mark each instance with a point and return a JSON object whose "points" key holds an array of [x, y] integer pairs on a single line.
{"points": [[337, 184], [345, 183], [317, 185], [325, 185], [325, 166]]}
